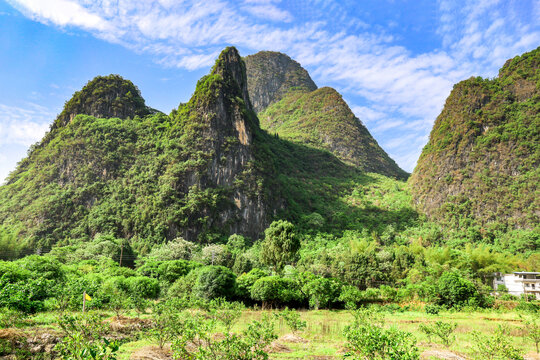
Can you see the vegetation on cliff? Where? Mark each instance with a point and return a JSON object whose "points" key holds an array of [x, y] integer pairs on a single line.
{"points": [[481, 167], [323, 120]]}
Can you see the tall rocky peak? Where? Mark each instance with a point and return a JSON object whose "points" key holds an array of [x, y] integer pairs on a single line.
{"points": [[220, 124], [233, 69], [271, 75], [322, 119], [482, 161], [104, 97]]}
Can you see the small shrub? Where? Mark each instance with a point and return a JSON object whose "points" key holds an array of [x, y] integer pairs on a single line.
{"points": [[368, 339], [165, 323], [143, 286], [351, 296], [292, 319], [496, 346], [532, 328], [85, 339], [441, 330], [432, 309]]}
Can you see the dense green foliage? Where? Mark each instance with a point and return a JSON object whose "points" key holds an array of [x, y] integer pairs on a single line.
{"points": [[104, 97]]}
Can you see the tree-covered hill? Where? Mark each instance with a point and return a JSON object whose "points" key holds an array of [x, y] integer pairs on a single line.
{"points": [[322, 119], [481, 167], [291, 106]]}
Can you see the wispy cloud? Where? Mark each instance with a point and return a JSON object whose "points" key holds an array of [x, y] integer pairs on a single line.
{"points": [[400, 90], [23, 126], [266, 10], [62, 13]]}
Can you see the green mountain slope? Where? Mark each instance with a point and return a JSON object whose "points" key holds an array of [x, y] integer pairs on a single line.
{"points": [[322, 119], [481, 165], [291, 106]]}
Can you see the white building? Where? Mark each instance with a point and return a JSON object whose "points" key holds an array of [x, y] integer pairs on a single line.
{"points": [[519, 283]]}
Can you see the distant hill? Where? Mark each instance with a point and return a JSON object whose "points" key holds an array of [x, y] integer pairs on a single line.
{"points": [[482, 162], [271, 75], [320, 118]]}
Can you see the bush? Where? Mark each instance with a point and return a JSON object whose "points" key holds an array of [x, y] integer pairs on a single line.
{"points": [[454, 290], [84, 338], [532, 328], [351, 296], [25, 296], [145, 287], [368, 339], [496, 346], [274, 290], [321, 292], [196, 335], [443, 331], [177, 249], [242, 264], [215, 281], [217, 254], [245, 282], [108, 247], [433, 309], [42, 267], [171, 270], [183, 287], [292, 319]]}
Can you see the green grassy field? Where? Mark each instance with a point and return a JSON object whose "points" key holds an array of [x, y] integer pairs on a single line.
{"points": [[324, 339]]}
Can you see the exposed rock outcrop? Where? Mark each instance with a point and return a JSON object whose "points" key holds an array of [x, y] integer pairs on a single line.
{"points": [[271, 75]]}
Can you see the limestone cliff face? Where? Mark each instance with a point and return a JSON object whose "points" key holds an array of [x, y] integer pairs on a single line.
{"points": [[226, 125], [482, 160], [271, 75], [149, 178]]}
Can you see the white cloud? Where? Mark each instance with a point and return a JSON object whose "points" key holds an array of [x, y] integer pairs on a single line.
{"points": [[62, 13], [23, 126], [268, 11], [401, 91]]}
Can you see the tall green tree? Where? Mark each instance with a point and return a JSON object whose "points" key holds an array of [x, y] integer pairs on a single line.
{"points": [[280, 245]]}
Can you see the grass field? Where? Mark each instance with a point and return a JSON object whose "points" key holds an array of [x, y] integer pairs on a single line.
{"points": [[324, 334]]}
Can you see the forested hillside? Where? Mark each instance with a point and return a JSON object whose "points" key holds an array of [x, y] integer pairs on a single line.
{"points": [[481, 167]]}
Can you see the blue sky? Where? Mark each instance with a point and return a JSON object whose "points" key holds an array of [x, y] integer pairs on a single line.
{"points": [[395, 62]]}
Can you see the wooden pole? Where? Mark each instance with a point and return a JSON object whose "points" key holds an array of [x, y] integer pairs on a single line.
{"points": [[84, 301]]}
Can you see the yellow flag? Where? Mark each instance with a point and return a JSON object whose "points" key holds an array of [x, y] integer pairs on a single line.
{"points": [[87, 297]]}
